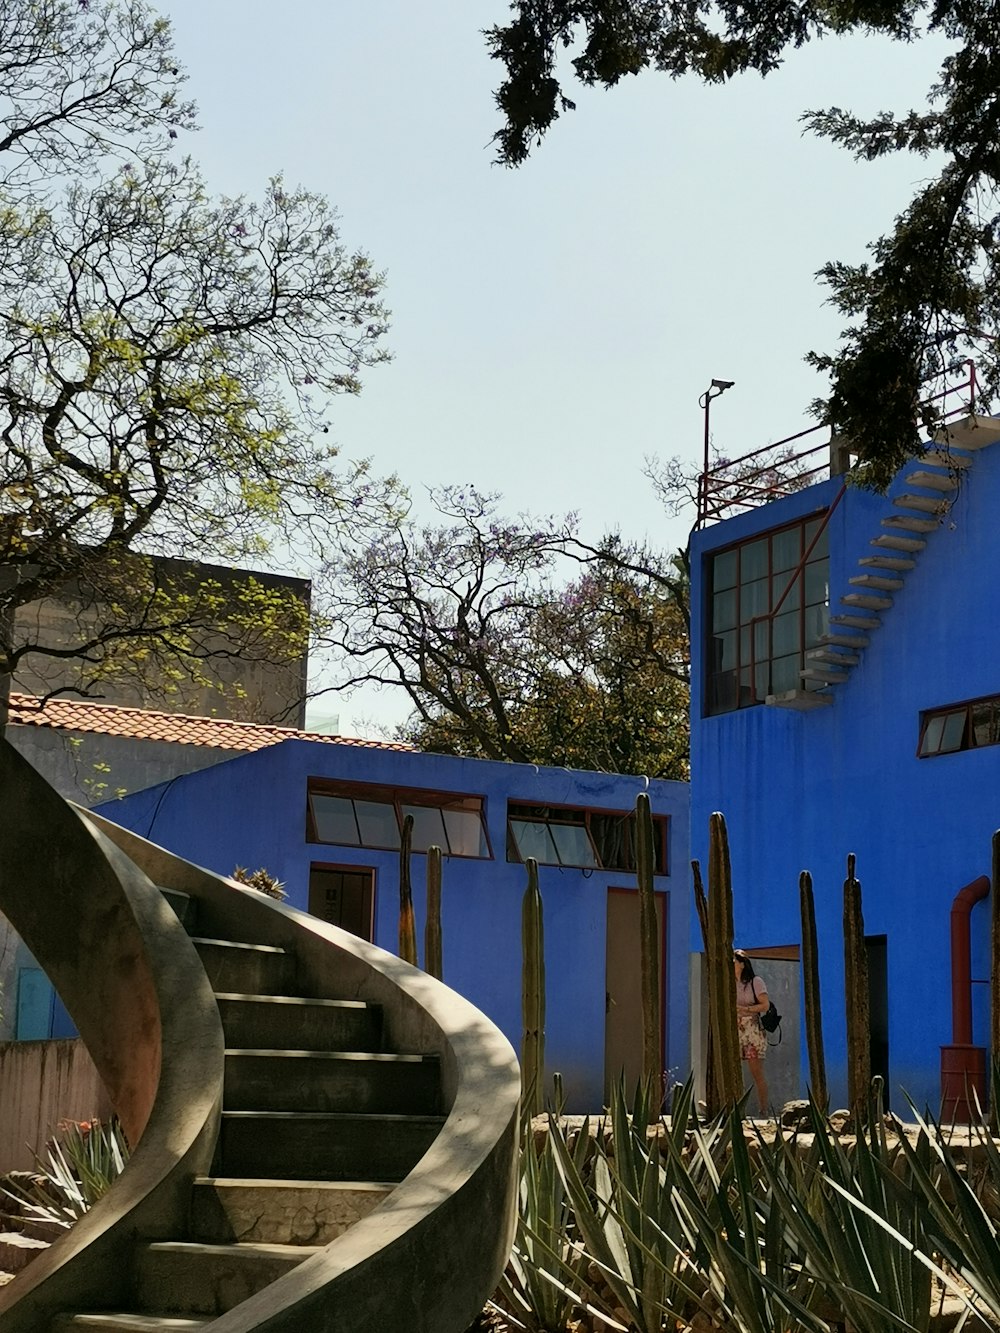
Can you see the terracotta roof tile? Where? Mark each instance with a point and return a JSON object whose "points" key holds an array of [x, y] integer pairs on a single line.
{"points": [[142, 724]]}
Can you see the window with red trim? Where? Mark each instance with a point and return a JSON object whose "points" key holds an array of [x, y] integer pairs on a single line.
{"points": [[559, 835]]}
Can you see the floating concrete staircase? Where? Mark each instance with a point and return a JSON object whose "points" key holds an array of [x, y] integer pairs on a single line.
{"points": [[324, 1137], [927, 497]]}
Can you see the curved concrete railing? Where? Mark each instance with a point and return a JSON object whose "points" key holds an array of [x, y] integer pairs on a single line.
{"points": [[136, 989], [425, 1259]]}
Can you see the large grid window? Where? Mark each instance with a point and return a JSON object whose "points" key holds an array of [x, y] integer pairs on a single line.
{"points": [[960, 727], [558, 835], [750, 652], [358, 815]]}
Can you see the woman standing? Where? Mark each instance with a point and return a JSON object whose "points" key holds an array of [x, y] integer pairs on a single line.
{"points": [[752, 1001]]}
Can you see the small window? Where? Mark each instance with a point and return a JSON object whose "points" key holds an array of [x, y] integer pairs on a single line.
{"points": [[960, 727], [360, 815], [585, 839]]}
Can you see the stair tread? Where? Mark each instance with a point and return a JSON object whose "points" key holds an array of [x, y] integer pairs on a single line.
{"points": [[856, 621], [240, 1249], [893, 542], [969, 432], [868, 600], [876, 581], [943, 458], [133, 1323], [281, 1052], [845, 640], [264, 1182], [293, 999], [831, 657], [925, 504], [910, 523], [887, 562], [238, 944], [799, 700], [932, 481]]}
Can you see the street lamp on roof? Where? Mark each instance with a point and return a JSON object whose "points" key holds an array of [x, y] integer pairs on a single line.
{"points": [[714, 390]]}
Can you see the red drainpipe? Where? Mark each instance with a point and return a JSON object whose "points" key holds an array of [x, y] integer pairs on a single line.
{"points": [[963, 1066]]}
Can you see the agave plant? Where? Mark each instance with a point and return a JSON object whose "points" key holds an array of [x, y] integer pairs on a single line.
{"points": [[77, 1171]]}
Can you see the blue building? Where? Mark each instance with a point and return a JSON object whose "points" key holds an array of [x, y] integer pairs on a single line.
{"points": [[325, 817], [846, 699]]}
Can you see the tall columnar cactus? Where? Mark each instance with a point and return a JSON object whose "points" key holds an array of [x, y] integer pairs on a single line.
{"points": [[810, 992], [532, 992], [721, 976], [712, 1103], [649, 954], [857, 1000], [407, 925], [995, 987], [432, 928]]}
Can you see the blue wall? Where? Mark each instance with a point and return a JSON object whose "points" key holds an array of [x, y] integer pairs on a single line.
{"points": [[802, 789], [251, 811]]}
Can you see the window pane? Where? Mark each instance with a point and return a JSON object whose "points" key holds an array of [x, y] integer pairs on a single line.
{"points": [[612, 837], [753, 560], [817, 623], [532, 839], [786, 633], [722, 692], [822, 547], [466, 835], [754, 600], [817, 582], [786, 549], [789, 598], [785, 673], [573, 845], [932, 735], [333, 817], [377, 821], [724, 610], [985, 724], [428, 827], [724, 571], [954, 730], [722, 652]]}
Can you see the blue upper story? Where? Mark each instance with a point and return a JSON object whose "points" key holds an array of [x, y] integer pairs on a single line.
{"points": [[319, 816], [898, 764]]}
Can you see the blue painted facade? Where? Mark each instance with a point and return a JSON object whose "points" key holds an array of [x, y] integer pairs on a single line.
{"points": [[802, 789], [251, 811]]}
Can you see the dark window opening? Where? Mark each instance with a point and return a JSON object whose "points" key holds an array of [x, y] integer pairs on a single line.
{"points": [[360, 815], [584, 839], [960, 727], [751, 652]]}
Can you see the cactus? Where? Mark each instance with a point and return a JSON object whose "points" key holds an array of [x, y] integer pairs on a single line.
{"points": [[810, 992], [859, 1065], [407, 925], [701, 906], [721, 977], [432, 928], [532, 992], [649, 955], [994, 989]]}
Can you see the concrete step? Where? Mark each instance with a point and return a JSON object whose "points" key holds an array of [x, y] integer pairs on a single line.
{"points": [[125, 1323], [944, 458], [910, 523], [195, 1279], [856, 621], [898, 562], [323, 1146], [832, 657], [257, 969], [933, 481], [867, 600], [876, 581], [280, 1212], [845, 640], [185, 907], [895, 542], [971, 432], [288, 1022], [802, 701], [367, 1084], [826, 675], [925, 504]]}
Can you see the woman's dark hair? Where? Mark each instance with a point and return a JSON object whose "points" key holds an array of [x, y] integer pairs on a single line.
{"points": [[748, 974]]}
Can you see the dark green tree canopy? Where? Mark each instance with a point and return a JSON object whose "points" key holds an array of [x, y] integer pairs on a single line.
{"points": [[928, 295]]}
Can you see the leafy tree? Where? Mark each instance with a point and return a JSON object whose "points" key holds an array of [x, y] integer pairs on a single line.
{"points": [[516, 640], [166, 361], [929, 293]]}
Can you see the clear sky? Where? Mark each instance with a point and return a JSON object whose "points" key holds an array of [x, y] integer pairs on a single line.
{"points": [[553, 326]]}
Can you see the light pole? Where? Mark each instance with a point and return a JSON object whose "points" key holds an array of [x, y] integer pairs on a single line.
{"points": [[714, 390]]}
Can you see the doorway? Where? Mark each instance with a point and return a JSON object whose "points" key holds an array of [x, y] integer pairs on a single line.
{"points": [[344, 896], [623, 987]]}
